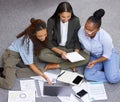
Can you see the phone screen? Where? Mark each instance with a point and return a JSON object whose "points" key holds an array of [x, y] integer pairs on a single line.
{"points": [[81, 93], [77, 80]]}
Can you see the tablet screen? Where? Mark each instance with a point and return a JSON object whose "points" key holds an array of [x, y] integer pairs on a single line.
{"points": [[77, 80]]}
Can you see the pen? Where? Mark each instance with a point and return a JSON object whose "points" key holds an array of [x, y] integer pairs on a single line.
{"points": [[61, 74]]}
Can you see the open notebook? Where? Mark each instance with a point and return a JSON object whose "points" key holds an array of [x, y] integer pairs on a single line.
{"points": [[70, 77]]}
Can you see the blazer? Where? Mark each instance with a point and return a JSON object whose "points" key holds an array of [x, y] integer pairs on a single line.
{"points": [[54, 37]]}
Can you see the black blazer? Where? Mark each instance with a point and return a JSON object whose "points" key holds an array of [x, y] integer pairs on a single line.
{"points": [[54, 37]]}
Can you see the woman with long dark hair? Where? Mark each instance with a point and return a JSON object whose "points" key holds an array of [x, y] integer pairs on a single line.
{"points": [[62, 28], [28, 44]]}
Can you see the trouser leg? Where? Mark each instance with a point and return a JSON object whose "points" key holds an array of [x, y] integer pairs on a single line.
{"points": [[95, 73], [10, 59], [47, 55], [27, 72], [51, 57], [111, 68]]}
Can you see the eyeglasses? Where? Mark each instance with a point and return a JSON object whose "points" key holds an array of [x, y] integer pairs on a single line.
{"points": [[90, 32]]}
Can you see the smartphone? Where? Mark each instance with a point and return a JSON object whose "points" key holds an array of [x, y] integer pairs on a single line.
{"points": [[81, 93], [77, 80]]}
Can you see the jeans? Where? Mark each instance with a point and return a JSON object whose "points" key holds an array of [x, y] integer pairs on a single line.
{"points": [[107, 71]]}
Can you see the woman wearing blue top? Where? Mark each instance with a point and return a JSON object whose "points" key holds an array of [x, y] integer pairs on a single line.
{"points": [[104, 59], [28, 44]]}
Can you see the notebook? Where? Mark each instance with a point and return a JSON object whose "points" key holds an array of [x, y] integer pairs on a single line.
{"points": [[72, 78], [74, 57], [57, 89]]}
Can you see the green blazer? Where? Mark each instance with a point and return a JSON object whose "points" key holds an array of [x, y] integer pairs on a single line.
{"points": [[54, 33]]}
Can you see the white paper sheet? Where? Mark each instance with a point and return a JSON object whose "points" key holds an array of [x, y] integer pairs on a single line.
{"points": [[41, 87], [28, 85], [21, 96], [78, 88], [51, 76], [74, 57], [72, 98], [96, 91]]}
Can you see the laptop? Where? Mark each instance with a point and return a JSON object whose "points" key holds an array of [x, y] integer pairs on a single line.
{"points": [[57, 89]]}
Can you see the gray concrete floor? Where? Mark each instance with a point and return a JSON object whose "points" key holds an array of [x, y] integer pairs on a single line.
{"points": [[15, 16]]}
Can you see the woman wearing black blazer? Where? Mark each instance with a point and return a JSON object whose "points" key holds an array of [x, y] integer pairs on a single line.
{"points": [[62, 29]]}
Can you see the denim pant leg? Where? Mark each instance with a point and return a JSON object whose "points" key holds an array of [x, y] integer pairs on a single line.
{"points": [[111, 68], [95, 73]]}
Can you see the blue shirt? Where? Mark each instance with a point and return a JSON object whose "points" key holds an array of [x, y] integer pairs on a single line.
{"points": [[100, 45], [27, 56]]}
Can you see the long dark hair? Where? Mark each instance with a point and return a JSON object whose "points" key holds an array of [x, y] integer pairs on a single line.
{"points": [[62, 7], [30, 33]]}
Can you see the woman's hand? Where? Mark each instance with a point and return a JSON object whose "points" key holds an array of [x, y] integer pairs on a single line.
{"points": [[60, 52], [77, 50], [91, 64], [63, 55], [36, 70], [47, 79]]}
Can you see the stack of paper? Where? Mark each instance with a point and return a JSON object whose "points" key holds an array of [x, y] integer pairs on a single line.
{"points": [[96, 91]]}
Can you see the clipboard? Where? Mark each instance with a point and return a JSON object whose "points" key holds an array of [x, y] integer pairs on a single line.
{"points": [[69, 77]]}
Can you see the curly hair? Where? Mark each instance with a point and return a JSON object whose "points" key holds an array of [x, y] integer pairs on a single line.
{"points": [[29, 33]]}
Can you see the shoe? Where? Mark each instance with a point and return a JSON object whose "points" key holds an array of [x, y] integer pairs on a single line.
{"points": [[51, 66], [1, 69], [73, 69]]}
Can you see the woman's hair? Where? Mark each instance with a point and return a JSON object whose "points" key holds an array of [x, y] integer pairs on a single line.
{"points": [[96, 17], [62, 7], [30, 33]]}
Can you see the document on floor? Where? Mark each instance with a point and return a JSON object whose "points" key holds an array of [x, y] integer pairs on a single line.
{"points": [[84, 97], [96, 91], [51, 76], [74, 57], [30, 85], [72, 98], [21, 96]]}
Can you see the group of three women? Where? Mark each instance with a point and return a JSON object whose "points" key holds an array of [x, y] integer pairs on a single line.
{"points": [[62, 35]]}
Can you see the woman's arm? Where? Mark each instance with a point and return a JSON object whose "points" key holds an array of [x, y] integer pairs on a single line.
{"points": [[36, 70], [92, 63], [60, 52]]}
